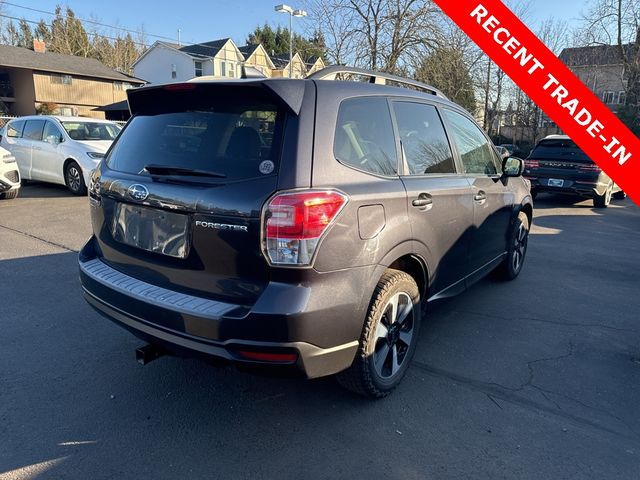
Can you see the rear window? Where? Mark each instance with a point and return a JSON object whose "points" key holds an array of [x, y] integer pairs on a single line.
{"points": [[559, 149], [14, 129], [236, 141]]}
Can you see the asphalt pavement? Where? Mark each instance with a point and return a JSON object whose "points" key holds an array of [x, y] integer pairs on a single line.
{"points": [[531, 379]]}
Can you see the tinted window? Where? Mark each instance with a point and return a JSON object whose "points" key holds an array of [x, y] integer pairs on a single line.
{"points": [[237, 141], [33, 129], [474, 149], [91, 130], [50, 129], [14, 129], [364, 136], [559, 149], [424, 142]]}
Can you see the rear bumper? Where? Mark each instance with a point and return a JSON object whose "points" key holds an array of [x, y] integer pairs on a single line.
{"points": [[582, 187], [321, 326]]}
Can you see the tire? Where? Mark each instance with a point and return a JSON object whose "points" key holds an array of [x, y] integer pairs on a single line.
{"points": [[621, 195], [385, 351], [603, 201], [511, 267], [74, 180], [10, 194]]}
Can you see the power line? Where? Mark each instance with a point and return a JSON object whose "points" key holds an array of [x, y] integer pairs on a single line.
{"points": [[173, 40], [93, 22], [94, 34]]}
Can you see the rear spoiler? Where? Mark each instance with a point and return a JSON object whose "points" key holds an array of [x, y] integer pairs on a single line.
{"points": [[153, 98]]}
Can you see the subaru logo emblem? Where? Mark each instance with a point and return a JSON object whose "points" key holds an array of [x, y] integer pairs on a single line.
{"points": [[138, 192]]}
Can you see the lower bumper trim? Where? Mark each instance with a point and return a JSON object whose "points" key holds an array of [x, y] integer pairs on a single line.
{"points": [[314, 361]]}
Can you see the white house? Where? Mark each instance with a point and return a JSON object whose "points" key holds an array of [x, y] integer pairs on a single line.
{"points": [[168, 62]]}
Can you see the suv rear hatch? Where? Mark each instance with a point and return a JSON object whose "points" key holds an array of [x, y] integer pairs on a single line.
{"points": [[560, 159], [178, 199]]}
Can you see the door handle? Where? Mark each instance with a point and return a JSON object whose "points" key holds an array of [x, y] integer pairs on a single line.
{"points": [[480, 197], [423, 201]]}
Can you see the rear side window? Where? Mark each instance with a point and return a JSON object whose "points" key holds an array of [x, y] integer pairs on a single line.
{"points": [[424, 142], [33, 129], [364, 136], [474, 149], [237, 141], [559, 149], [14, 129]]}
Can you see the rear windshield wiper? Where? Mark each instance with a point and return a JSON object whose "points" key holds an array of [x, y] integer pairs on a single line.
{"points": [[168, 170]]}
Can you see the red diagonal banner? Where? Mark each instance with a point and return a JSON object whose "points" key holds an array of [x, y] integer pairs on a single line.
{"points": [[552, 86]]}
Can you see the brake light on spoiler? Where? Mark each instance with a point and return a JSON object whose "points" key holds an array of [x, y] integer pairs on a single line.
{"points": [[293, 223]]}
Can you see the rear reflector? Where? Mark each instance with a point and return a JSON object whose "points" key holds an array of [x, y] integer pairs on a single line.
{"points": [[269, 357], [294, 223]]}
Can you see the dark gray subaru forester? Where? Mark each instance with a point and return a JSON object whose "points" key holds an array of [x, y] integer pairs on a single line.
{"points": [[298, 225]]}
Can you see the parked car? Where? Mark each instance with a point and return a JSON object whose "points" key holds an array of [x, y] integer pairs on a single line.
{"points": [[557, 165], [513, 149], [503, 152], [63, 150], [300, 225], [9, 175]]}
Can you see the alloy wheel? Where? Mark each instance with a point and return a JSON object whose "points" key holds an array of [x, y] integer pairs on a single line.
{"points": [[394, 334], [519, 247], [73, 178]]}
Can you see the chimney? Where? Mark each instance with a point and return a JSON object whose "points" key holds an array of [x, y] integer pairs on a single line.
{"points": [[39, 46]]}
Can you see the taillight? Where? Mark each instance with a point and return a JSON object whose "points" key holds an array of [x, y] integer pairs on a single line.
{"points": [[590, 167], [294, 223], [529, 164]]}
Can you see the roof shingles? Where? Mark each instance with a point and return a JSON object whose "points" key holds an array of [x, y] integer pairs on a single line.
{"points": [[19, 57]]}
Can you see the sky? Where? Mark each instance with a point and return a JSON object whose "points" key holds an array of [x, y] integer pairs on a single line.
{"points": [[201, 20]]}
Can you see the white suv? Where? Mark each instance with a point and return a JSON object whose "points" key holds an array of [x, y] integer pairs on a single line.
{"points": [[63, 150], [9, 175]]}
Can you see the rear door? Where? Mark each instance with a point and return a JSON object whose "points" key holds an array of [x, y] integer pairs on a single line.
{"points": [[492, 198], [181, 190], [47, 158], [439, 198]]}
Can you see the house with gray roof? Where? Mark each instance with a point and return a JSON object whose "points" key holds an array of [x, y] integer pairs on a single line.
{"points": [[166, 62], [72, 85]]}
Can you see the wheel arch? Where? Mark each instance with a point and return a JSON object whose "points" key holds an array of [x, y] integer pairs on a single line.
{"points": [[414, 266]]}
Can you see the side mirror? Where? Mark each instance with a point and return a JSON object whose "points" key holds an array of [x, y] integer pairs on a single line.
{"points": [[512, 167], [53, 139]]}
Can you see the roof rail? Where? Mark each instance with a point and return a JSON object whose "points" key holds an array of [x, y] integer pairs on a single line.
{"points": [[330, 73]]}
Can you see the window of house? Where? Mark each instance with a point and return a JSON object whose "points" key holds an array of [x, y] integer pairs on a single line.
{"points": [[61, 79], [622, 98], [364, 136], [608, 97], [223, 69], [198, 69], [121, 85], [425, 145], [232, 69], [473, 147]]}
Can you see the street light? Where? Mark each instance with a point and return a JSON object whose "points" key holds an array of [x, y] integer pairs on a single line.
{"points": [[292, 13]]}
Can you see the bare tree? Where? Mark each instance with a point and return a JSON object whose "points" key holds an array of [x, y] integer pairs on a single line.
{"points": [[376, 34]]}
